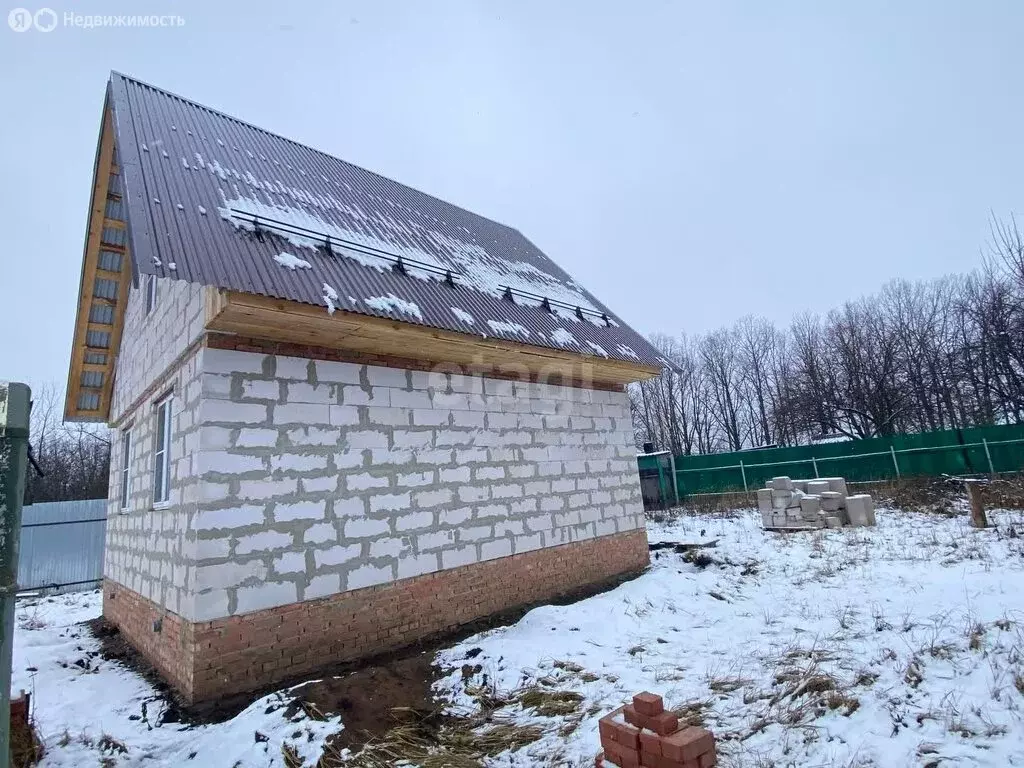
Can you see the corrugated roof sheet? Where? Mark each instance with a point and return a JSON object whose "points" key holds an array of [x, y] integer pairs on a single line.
{"points": [[187, 170]]}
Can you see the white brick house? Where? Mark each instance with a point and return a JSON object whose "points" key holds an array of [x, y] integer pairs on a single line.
{"points": [[331, 393]]}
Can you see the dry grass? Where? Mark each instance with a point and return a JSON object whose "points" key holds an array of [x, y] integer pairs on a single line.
{"points": [[438, 740], [433, 740]]}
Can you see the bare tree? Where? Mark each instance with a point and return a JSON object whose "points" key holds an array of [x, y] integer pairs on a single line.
{"points": [[74, 458]]}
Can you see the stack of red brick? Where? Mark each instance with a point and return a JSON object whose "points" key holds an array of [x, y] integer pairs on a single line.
{"points": [[644, 734]]}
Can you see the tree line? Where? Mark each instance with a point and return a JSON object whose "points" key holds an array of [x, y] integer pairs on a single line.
{"points": [[915, 357], [71, 461]]}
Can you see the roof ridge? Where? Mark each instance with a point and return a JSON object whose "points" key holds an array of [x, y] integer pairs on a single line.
{"points": [[268, 132]]}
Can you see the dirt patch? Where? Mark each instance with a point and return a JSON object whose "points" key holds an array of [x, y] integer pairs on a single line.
{"points": [[373, 700], [1004, 493], [26, 746], [947, 495]]}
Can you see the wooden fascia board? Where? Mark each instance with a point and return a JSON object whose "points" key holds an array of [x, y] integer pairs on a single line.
{"points": [[283, 320], [102, 170], [90, 256]]}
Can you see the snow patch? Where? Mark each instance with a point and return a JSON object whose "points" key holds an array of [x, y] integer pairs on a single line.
{"points": [[463, 315], [513, 329], [292, 262], [330, 296], [597, 348], [395, 304], [202, 211], [563, 337], [626, 351]]}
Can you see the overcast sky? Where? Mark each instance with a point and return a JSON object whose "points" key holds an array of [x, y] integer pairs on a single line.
{"points": [[687, 162]]}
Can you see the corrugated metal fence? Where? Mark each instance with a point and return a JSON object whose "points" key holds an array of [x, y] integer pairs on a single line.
{"points": [[973, 450], [62, 545]]}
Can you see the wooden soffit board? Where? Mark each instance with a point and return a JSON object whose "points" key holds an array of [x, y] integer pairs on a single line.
{"points": [[260, 317], [103, 291]]}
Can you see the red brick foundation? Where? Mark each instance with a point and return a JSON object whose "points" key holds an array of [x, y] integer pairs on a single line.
{"points": [[211, 659], [169, 650]]}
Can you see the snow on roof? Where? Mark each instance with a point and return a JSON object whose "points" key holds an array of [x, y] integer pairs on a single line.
{"points": [[626, 351], [384, 303], [515, 329], [292, 262], [563, 337], [597, 348], [330, 296], [463, 315]]}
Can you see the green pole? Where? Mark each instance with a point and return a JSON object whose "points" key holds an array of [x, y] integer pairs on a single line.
{"points": [[14, 413], [675, 477]]}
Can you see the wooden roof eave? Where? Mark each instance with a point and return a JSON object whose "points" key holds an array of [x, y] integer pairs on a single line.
{"points": [[282, 320]]}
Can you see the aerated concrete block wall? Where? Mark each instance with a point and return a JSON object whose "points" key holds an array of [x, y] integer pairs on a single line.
{"points": [[318, 477], [159, 355], [147, 549], [152, 343]]}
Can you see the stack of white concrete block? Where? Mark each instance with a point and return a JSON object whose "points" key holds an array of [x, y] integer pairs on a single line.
{"points": [[787, 504]]}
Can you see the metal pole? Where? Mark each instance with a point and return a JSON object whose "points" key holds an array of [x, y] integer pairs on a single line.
{"points": [[14, 412], [661, 487], [894, 462], [744, 473], [675, 477], [814, 461], [991, 469]]}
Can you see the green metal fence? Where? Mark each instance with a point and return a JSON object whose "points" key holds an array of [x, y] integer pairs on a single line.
{"points": [[976, 450]]}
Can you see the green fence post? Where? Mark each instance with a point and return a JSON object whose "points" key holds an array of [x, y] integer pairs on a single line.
{"points": [[744, 473], [895, 463], [988, 455], [675, 477], [14, 412], [814, 461]]}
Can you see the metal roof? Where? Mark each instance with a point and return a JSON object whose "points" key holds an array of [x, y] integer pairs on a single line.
{"points": [[212, 200]]}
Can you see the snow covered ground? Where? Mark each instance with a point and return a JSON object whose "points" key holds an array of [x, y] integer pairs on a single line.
{"points": [[894, 646], [897, 646], [92, 712]]}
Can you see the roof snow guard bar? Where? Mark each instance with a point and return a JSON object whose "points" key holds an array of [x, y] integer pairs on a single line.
{"points": [[509, 293], [398, 263]]}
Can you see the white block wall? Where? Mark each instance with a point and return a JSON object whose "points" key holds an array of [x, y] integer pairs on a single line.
{"points": [[147, 549], [152, 343], [320, 477], [296, 479]]}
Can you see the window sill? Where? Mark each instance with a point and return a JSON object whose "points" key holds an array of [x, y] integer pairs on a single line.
{"points": [[161, 505]]}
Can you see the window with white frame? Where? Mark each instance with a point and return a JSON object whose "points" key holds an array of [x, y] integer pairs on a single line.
{"points": [[126, 462], [150, 293], [162, 452]]}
